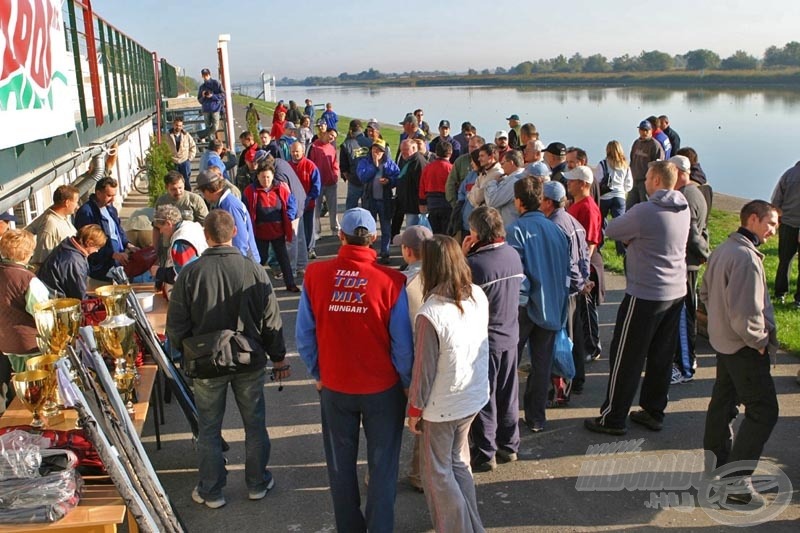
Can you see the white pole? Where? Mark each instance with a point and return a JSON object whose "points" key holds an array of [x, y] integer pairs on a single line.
{"points": [[264, 87], [222, 44]]}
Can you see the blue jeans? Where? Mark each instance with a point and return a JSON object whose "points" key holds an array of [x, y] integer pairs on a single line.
{"points": [[382, 415], [382, 211], [209, 396], [615, 206], [185, 169], [354, 193]]}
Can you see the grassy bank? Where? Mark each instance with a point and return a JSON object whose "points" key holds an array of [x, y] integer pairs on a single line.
{"points": [[390, 132], [721, 224], [787, 77]]}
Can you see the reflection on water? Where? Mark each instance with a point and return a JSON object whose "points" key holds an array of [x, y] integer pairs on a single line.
{"points": [[729, 128]]}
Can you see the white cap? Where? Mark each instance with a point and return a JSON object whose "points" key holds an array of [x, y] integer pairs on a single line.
{"points": [[582, 173], [501, 133]]}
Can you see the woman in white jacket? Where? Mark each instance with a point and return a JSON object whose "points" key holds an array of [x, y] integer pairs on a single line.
{"points": [[614, 176], [450, 382]]}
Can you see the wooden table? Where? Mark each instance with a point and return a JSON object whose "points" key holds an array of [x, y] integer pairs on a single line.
{"points": [[101, 507]]}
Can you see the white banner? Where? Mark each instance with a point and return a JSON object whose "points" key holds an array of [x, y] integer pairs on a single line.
{"points": [[36, 74]]}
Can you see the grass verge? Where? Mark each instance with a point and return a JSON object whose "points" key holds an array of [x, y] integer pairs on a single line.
{"points": [[720, 225]]}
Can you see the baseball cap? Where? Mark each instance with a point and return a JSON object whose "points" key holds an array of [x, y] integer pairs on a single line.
{"points": [[556, 149], [645, 125], [380, 143], [682, 162], [8, 217], [501, 134], [374, 125], [290, 126], [538, 169], [321, 122], [410, 119], [513, 117], [255, 156], [582, 173], [413, 237], [206, 177], [205, 71], [554, 190], [444, 124], [355, 125], [357, 218]]}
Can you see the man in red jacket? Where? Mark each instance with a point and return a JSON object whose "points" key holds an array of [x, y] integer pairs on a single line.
{"points": [[323, 154], [352, 298]]}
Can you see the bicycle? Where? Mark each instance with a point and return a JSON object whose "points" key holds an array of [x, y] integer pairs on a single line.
{"points": [[141, 180]]}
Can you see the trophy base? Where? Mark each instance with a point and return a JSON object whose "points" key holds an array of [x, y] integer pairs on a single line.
{"points": [[50, 421]]}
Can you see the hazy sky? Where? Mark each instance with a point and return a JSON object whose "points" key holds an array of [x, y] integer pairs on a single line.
{"points": [[325, 37]]}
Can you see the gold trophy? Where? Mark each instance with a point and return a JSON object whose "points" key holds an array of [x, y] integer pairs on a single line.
{"points": [[57, 323], [53, 399], [115, 336], [31, 389], [115, 300]]}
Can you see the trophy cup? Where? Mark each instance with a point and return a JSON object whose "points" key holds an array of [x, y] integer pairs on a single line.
{"points": [[116, 338], [31, 389], [115, 300], [52, 400], [57, 323]]}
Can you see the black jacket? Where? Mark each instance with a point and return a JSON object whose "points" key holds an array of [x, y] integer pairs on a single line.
{"points": [[66, 270], [408, 183], [206, 298]]}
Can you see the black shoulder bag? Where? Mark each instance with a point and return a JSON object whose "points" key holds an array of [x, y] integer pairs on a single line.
{"points": [[221, 352]]}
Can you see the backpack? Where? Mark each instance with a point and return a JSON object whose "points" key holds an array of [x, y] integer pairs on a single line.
{"points": [[604, 183]]}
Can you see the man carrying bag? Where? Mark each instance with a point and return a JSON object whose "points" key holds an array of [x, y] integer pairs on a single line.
{"points": [[224, 314]]}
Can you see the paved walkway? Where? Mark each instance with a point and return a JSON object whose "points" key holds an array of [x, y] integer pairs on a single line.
{"points": [[538, 493]]}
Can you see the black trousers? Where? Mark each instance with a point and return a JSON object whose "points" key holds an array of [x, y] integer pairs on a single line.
{"points": [[439, 218], [742, 377], [576, 332], [787, 249], [644, 338], [541, 342], [497, 424]]}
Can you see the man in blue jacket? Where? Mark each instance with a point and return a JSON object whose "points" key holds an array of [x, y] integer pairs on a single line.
{"points": [[544, 251], [100, 210], [379, 175], [211, 99], [212, 187]]}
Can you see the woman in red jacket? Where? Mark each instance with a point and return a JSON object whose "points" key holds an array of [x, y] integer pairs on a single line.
{"points": [[272, 207]]}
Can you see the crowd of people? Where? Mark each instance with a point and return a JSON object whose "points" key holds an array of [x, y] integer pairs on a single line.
{"points": [[501, 241]]}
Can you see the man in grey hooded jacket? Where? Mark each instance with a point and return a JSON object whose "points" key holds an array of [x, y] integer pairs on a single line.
{"points": [[646, 330]]}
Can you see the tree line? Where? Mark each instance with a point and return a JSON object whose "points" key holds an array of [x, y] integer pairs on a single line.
{"points": [[646, 61]]}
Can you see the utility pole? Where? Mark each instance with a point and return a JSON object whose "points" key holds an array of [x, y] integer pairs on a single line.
{"points": [[224, 67]]}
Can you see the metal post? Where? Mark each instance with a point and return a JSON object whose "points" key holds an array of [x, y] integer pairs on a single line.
{"points": [[222, 46], [157, 85], [264, 85]]}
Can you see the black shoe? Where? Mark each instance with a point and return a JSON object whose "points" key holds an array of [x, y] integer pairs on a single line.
{"points": [[485, 466], [595, 357], [502, 456], [645, 419], [536, 427], [743, 492], [594, 424], [384, 260], [576, 388]]}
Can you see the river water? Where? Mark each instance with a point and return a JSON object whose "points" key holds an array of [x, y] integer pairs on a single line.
{"points": [[745, 138]]}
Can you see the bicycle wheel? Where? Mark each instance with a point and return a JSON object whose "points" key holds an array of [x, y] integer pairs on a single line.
{"points": [[141, 182]]}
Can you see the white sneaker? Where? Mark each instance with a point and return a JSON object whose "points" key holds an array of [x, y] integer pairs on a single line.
{"points": [[211, 504], [261, 493], [677, 377]]}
